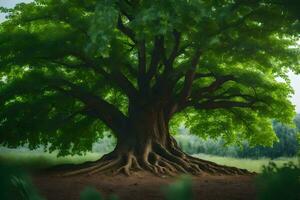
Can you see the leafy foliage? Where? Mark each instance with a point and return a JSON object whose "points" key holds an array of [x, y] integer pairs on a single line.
{"points": [[279, 183], [90, 193], [70, 70]]}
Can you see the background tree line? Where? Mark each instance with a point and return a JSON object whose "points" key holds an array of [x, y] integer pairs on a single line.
{"points": [[287, 144]]}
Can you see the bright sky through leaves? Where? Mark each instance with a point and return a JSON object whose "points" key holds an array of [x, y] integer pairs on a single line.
{"points": [[295, 79]]}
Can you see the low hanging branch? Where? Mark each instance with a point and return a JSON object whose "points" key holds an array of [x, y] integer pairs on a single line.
{"points": [[95, 106]]}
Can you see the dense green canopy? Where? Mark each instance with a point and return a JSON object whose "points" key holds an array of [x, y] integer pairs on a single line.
{"points": [[56, 53]]}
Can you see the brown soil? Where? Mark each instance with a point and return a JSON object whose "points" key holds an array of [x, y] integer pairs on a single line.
{"points": [[143, 186]]}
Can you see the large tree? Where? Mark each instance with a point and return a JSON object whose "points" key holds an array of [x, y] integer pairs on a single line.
{"points": [[72, 69]]}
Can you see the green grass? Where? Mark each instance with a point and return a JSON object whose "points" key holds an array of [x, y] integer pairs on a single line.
{"points": [[33, 159], [254, 165]]}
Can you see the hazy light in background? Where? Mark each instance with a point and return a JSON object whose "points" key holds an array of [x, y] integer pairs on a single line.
{"points": [[295, 79], [295, 82], [10, 4]]}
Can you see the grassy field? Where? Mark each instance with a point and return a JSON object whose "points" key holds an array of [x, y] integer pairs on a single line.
{"points": [[41, 160], [254, 165]]}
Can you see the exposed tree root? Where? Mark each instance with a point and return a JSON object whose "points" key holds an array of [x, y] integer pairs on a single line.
{"points": [[158, 160]]}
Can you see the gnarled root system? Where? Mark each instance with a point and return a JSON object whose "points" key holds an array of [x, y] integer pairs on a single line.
{"points": [[157, 159]]}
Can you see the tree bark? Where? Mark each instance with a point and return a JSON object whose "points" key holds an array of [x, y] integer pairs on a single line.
{"points": [[146, 144]]}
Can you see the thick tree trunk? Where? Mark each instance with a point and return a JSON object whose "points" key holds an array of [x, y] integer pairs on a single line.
{"points": [[147, 145]]}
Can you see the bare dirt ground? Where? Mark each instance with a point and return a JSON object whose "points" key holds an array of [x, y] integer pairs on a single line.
{"points": [[143, 186]]}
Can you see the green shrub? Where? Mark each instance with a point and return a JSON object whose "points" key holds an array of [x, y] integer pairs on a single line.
{"points": [[16, 184], [180, 190], [282, 183], [90, 193]]}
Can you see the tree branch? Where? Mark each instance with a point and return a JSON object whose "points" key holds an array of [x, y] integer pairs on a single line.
{"points": [[198, 75], [116, 77], [222, 104], [197, 94], [125, 30], [155, 57], [189, 77], [94, 105], [142, 63], [176, 103], [175, 50]]}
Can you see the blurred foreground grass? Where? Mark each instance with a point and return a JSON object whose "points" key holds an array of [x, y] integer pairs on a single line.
{"points": [[32, 159]]}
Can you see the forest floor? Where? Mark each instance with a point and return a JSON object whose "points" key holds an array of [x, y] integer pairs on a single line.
{"points": [[143, 186]]}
